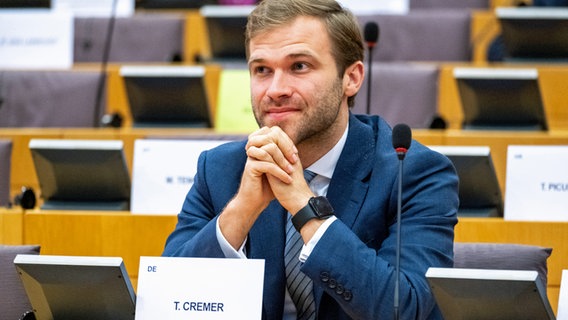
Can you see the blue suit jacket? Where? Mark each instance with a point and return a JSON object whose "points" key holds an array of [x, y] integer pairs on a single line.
{"points": [[353, 265]]}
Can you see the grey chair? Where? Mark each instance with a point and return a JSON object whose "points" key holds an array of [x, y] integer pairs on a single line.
{"points": [[402, 93], [50, 98], [502, 256], [422, 35], [13, 299], [5, 167], [141, 38], [449, 4]]}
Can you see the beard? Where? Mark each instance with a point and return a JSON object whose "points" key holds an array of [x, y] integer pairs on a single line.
{"points": [[317, 119]]}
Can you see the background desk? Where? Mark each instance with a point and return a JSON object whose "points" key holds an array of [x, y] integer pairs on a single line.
{"points": [[131, 236], [546, 234], [23, 171], [553, 83], [83, 233], [11, 226]]}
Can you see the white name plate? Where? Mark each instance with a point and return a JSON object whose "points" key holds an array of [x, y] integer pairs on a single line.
{"points": [[35, 40], [99, 8], [366, 7], [537, 183], [199, 288], [162, 173]]}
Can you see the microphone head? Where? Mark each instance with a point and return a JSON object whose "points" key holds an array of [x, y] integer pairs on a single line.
{"points": [[371, 33], [401, 139]]}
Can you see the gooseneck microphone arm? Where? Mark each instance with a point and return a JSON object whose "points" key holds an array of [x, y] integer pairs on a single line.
{"points": [[401, 140], [104, 62], [371, 35]]}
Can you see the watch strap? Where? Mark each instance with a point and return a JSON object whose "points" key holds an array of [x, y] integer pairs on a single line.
{"points": [[305, 214]]}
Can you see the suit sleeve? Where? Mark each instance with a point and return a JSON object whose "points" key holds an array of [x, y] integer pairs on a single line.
{"points": [[216, 182], [361, 278]]}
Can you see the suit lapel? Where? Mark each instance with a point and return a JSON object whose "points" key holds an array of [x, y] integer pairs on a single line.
{"points": [[349, 184]]}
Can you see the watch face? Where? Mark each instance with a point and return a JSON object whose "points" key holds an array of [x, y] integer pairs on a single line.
{"points": [[322, 207]]}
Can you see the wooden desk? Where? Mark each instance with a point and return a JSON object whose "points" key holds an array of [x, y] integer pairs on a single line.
{"points": [[11, 226], [498, 141], [23, 171], [22, 168], [97, 233], [484, 29], [546, 234], [553, 82], [117, 100], [131, 236]]}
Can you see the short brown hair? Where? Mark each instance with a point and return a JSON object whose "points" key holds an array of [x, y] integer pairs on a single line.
{"points": [[341, 24]]}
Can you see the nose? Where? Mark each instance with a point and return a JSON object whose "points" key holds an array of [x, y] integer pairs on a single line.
{"points": [[280, 86]]}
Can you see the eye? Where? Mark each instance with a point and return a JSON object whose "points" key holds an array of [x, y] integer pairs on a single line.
{"points": [[260, 70], [300, 66]]}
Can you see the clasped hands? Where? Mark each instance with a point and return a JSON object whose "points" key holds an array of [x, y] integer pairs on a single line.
{"points": [[272, 170]]}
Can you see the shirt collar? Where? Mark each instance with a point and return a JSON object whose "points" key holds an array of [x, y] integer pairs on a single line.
{"points": [[325, 166]]}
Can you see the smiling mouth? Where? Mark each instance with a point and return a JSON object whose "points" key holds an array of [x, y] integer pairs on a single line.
{"points": [[280, 113]]}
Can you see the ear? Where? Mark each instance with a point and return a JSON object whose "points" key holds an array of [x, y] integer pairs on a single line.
{"points": [[353, 78]]}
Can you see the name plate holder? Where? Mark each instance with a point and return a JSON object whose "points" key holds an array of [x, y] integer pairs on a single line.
{"points": [[199, 288]]}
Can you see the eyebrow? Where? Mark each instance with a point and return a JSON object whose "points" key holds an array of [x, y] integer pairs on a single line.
{"points": [[296, 55]]}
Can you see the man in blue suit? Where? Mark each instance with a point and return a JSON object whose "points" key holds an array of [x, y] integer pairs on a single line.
{"points": [[305, 61]]}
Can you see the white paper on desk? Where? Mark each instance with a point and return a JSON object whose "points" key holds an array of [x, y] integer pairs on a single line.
{"points": [[35, 40], [537, 183], [98, 8], [562, 313], [199, 288], [163, 172]]}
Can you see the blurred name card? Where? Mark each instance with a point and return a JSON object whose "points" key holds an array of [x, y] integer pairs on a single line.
{"points": [[98, 8], [563, 297], [366, 7], [199, 288], [35, 40], [162, 173], [537, 183]]}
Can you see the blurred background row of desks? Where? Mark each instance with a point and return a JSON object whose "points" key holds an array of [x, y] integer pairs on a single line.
{"points": [[23, 170]]}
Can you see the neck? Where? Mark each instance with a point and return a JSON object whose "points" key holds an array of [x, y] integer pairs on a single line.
{"points": [[315, 147]]}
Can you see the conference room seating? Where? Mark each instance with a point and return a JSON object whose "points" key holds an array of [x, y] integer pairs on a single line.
{"points": [[422, 35], [140, 38], [50, 98], [13, 299], [449, 4], [402, 92], [5, 167], [502, 256]]}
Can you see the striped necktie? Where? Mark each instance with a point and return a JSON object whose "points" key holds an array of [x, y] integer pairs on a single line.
{"points": [[299, 285]]}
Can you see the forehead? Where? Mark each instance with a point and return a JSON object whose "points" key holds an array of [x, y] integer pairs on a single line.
{"points": [[306, 34]]}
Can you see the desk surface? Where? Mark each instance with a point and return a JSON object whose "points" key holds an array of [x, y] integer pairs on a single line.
{"points": [[131, 236]]}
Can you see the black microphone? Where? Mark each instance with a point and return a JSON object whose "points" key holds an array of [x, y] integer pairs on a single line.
{"points": [[371, 36], [401, 140], [104, 62]]}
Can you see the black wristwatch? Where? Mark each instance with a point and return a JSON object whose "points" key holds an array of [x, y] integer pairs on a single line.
{"points": [[317, 208]]}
